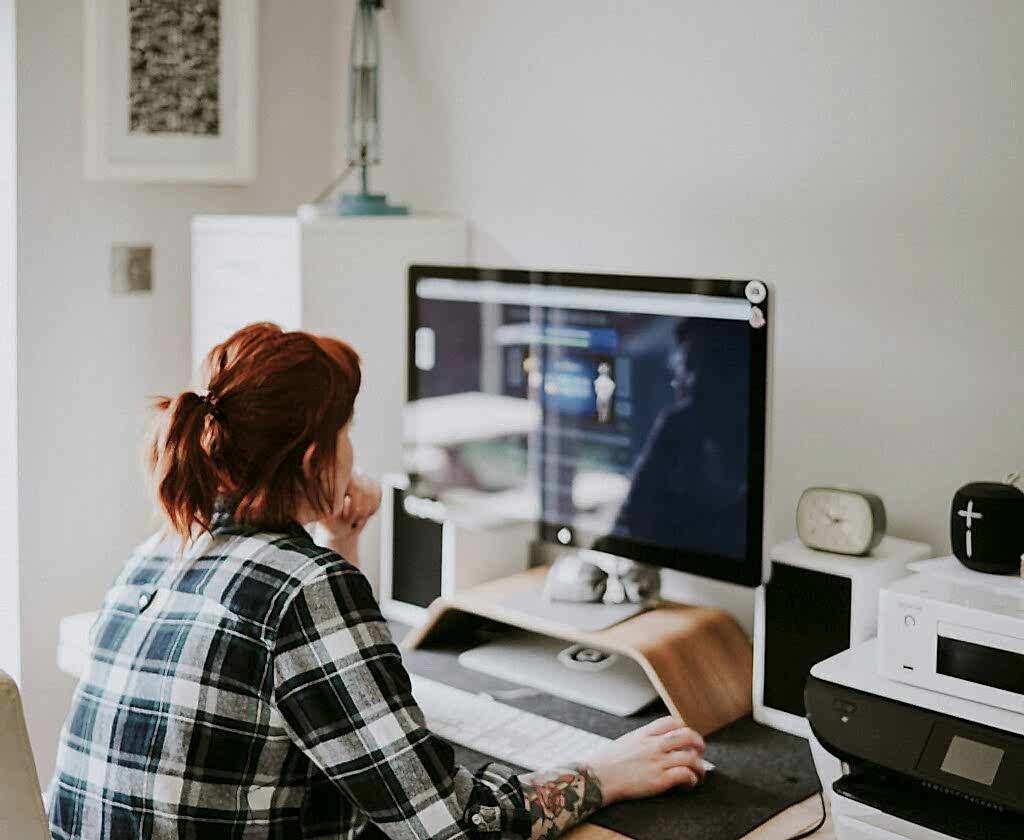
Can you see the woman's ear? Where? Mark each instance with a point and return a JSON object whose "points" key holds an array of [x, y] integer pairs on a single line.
{"points": [[307, 463], [320, 481], [313, 478]]}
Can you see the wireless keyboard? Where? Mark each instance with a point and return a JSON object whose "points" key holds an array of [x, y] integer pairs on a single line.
{"points": [[480, 723]]}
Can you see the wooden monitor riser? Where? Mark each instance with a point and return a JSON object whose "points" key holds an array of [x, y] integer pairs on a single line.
{"points": [[698, 658]]}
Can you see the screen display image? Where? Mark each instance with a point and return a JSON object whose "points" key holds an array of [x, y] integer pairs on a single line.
{"points": [[621, 419], [973, 761]]}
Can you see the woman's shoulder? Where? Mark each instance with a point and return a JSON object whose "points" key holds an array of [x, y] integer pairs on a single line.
{"points": [[262, 571], [252, 573], [290, 553], [148, 560]]}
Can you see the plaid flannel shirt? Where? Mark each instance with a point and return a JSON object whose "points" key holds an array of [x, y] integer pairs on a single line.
{"points": [[251, 689]]}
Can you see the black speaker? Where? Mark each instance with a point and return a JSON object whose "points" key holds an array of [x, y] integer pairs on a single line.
{"points": [[811, 614], [986, 527], [430, 550]]}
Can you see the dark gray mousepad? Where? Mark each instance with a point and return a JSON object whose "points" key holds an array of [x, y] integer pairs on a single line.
{"points": [[760, 771]]}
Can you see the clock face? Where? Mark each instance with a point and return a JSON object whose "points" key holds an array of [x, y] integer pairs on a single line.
{"points": [[835, 520]]}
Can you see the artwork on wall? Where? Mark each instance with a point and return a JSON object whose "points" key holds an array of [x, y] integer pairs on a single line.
{"points": [[174, 67], [170, 90]]}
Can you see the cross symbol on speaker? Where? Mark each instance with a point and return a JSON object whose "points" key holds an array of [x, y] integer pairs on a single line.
{"points": [[969, 514]]}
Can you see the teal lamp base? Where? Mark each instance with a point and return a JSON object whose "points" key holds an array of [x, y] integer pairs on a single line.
{"points": [[369, 204]]}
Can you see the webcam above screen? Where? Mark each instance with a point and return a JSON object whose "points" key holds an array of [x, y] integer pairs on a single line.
{"points": [[622, 413]]}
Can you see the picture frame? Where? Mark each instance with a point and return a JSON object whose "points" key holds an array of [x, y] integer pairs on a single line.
{"points": [[170, 90]]}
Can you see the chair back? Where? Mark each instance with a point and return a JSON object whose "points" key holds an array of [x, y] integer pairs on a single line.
{"points": [[21, 802]]}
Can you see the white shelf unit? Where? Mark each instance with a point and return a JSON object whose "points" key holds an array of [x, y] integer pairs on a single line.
{"points": [[344, 277]]}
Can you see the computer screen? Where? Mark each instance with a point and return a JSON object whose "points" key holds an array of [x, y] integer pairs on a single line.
{"points": [[624, 414]]}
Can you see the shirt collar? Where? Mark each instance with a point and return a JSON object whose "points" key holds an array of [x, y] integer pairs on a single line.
{"points": [[222, 520]]}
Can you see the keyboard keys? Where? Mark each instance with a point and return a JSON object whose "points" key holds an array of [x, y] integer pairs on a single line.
{"points": [[485, 725]]}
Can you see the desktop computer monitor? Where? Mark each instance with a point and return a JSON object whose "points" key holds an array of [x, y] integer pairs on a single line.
{"points": [[622, 413]]}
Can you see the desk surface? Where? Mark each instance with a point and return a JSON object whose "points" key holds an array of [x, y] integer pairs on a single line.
{"points": [[72, 654]]}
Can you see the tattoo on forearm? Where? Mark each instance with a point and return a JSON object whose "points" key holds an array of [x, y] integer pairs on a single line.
{"points": [[559, 799]]}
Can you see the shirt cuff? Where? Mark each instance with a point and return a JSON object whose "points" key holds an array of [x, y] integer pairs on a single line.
{"points": [[506, 816]]}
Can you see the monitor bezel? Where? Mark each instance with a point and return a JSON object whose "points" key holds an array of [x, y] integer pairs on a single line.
{"points": [[745, 573]]}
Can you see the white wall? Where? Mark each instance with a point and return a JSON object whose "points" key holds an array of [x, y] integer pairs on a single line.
{"points": [[88, 361], [866, 158], [10, 635]]}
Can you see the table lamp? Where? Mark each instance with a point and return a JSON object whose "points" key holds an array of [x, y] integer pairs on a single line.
{"points": [[364, 115]]}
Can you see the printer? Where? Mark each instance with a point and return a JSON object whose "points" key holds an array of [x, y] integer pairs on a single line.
{"points": [[919, 733], [916, 764]]}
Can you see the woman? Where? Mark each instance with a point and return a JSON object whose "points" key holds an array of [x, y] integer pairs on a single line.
{"points": [[242, 682]]}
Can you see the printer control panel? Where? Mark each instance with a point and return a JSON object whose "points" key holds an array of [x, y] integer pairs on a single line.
{"points": [[974, 759]]}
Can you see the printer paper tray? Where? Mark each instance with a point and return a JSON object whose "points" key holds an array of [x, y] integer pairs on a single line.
{"points": [[943, 811]]}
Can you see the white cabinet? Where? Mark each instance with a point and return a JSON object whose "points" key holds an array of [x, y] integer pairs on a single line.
{"points": [[341, 277]]}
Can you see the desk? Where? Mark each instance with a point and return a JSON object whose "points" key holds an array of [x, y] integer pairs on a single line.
{"points": [[790, 822], [72, 654]]}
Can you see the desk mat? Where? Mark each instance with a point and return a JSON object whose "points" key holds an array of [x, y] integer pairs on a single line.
{"points": [[760, 771]]}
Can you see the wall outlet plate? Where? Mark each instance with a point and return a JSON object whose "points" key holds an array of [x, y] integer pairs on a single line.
{"points": [[131, 269]]}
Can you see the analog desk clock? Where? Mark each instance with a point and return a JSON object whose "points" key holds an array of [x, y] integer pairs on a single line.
{"points": [[840, 521]]}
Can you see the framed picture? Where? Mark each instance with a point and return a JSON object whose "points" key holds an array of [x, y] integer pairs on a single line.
{"points": [[170, 90]]}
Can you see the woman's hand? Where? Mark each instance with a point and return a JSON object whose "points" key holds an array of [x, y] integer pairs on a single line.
{"points": [[646, 762], [649, 760], [361, 501]]}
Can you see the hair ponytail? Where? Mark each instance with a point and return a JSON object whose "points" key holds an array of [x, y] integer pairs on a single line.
{"points": [[183, 462], [273, 397]]}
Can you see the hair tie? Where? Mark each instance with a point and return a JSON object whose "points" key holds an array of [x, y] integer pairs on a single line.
{"points": [[212, 403]]}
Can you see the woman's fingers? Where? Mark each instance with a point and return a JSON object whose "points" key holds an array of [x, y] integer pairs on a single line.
{"points": [[682, 776], [679, 739], [685, 758], [361, 501], [357, 507], [663, 725], [377, 496]]}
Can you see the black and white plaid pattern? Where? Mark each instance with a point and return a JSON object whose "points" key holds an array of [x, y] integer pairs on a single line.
{"points": [[251, 689]]}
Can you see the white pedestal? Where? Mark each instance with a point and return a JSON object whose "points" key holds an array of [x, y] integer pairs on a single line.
{"points": [[341, 277], [863, 577]]}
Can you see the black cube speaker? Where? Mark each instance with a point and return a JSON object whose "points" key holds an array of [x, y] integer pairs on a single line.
{"points": [[986, 527], [813, 606]]}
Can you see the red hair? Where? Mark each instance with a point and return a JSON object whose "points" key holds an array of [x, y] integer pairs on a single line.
{"points": [[262, 440]]}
